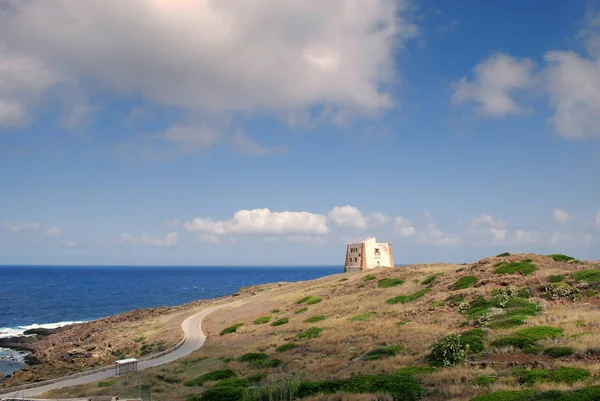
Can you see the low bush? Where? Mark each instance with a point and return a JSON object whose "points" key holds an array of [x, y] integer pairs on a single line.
{"points": [[557, 257], [463, 282], [502, 255], [455, 300], [212, 376], [382, 352], [472, 340], [275, 311], [262, 320], [232, 389], [561, 375], [408, 298], [389, 282], [370, 277], [286, 347], [590, 276], [281, 321], [301, 310], [303, 299], [415, 370], [558, 352], [556, 278], [105, 384], [437, 304], [316, 318], [343, 279], [526, 339], [447, 352], [231, 329], [524, 267], [404, 322], [506, 396], [429, 280], [362, 316], [484, 381], [253, 357], [309, 300], [540, 332], [312, 332], [583, 394]]}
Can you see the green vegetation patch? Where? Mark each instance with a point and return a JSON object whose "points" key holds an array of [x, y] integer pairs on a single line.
{"points": [[262, 320], [510, 311], [286, 347], [502, 255], [540, 332], [309, 300], [362, 316], [275, 311], [281, 321], [415, 370], [231, 329], [452, 349], [524, 267], [506, 396], [558, 352], [312, 332], [589, 275], [343, 279], [429, 280], [437, 304], [408, 298], [463, 282], [526, 339], [253, 357], [484, 381], [105, 384], [232, 389], [561, 375], [301, 310], [403, 322], [556, 278], [389, 282], [557, 257], [382, 352], [316, 318], [370, 277], [212, 376]]}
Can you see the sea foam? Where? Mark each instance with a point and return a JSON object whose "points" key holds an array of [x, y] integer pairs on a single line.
{"points": [[19, 330]]}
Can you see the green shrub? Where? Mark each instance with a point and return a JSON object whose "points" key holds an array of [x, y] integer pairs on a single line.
{"points": [[437, 304], [502, 255], [415, 370], [540, 332], [226, 390], [281, 321], [515, 342], [404, 322], [558, 352], [455, 300], [557, 278], [301, 310], [590, 275], [303, 299], [400, 387], [275, 311], [389, 282], [561, 375], [256, 378], [212, 376], [282, 390], [382, 352], [485, 381], [105, 384], [286, 347], [506, 396], [463, 282], [316, 318], [447, 352], [362, 316], [312, 332], [253, 357], [472, 340], [262, 320], [557, 257], [429, 280], [343, 279], [591, 293], [516, 311], [524, 267], [313, 300], [370, 277], [408, 298], [231, 329]]}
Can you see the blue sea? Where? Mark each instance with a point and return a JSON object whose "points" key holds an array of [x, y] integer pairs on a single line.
{"points": [[38, 296]]}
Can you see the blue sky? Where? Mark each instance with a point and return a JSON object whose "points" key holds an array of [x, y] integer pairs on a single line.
{"points": [[229, 133]]}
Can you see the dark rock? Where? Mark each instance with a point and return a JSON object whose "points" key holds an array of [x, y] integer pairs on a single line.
{"points": [[32, 360], [71, 355]]}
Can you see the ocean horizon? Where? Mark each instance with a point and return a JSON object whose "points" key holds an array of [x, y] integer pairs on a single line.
{"points": [[49, 296]]}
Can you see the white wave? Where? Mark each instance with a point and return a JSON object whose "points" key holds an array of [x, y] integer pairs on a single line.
{"points": [[19, 330], [12, 356]]}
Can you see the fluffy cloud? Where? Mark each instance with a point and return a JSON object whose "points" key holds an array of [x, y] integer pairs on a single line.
{"points": [[244, 145], [403, 227], [169, 241], [351, 217], [23, 226], [262, 222], [561, 216], [209, 56], [54, 232], [495, 80]]}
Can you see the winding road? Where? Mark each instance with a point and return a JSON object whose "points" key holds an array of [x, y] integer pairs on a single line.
{"points": [[194, 339]]}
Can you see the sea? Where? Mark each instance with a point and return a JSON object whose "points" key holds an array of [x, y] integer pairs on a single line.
{"points": [[53, 296]]}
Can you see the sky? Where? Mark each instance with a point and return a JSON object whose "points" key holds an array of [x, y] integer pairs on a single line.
{"points": [[234, 132]]}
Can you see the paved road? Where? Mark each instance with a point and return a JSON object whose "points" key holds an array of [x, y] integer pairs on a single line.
{"points": [[194, 339]]}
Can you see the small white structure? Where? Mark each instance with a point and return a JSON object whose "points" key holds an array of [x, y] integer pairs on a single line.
{"points": [[369, 254], [126, 366]]}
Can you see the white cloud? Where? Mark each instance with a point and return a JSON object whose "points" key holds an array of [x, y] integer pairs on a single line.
{"points": [[262, 221], [216, 56], [403, 227], [170, 240], [561, 216], [488, 220], [173, 222], [54, 232], [69, 244], [244, 145], [526, 237], [351, 217], [23, 226], [558, 238], [495, 81], [432, 235]]}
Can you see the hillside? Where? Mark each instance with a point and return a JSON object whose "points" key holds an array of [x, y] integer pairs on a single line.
{"points": [[517, 324]]}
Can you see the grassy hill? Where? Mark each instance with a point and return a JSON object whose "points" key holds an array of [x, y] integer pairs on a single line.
{"points": [[511, 327]]}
